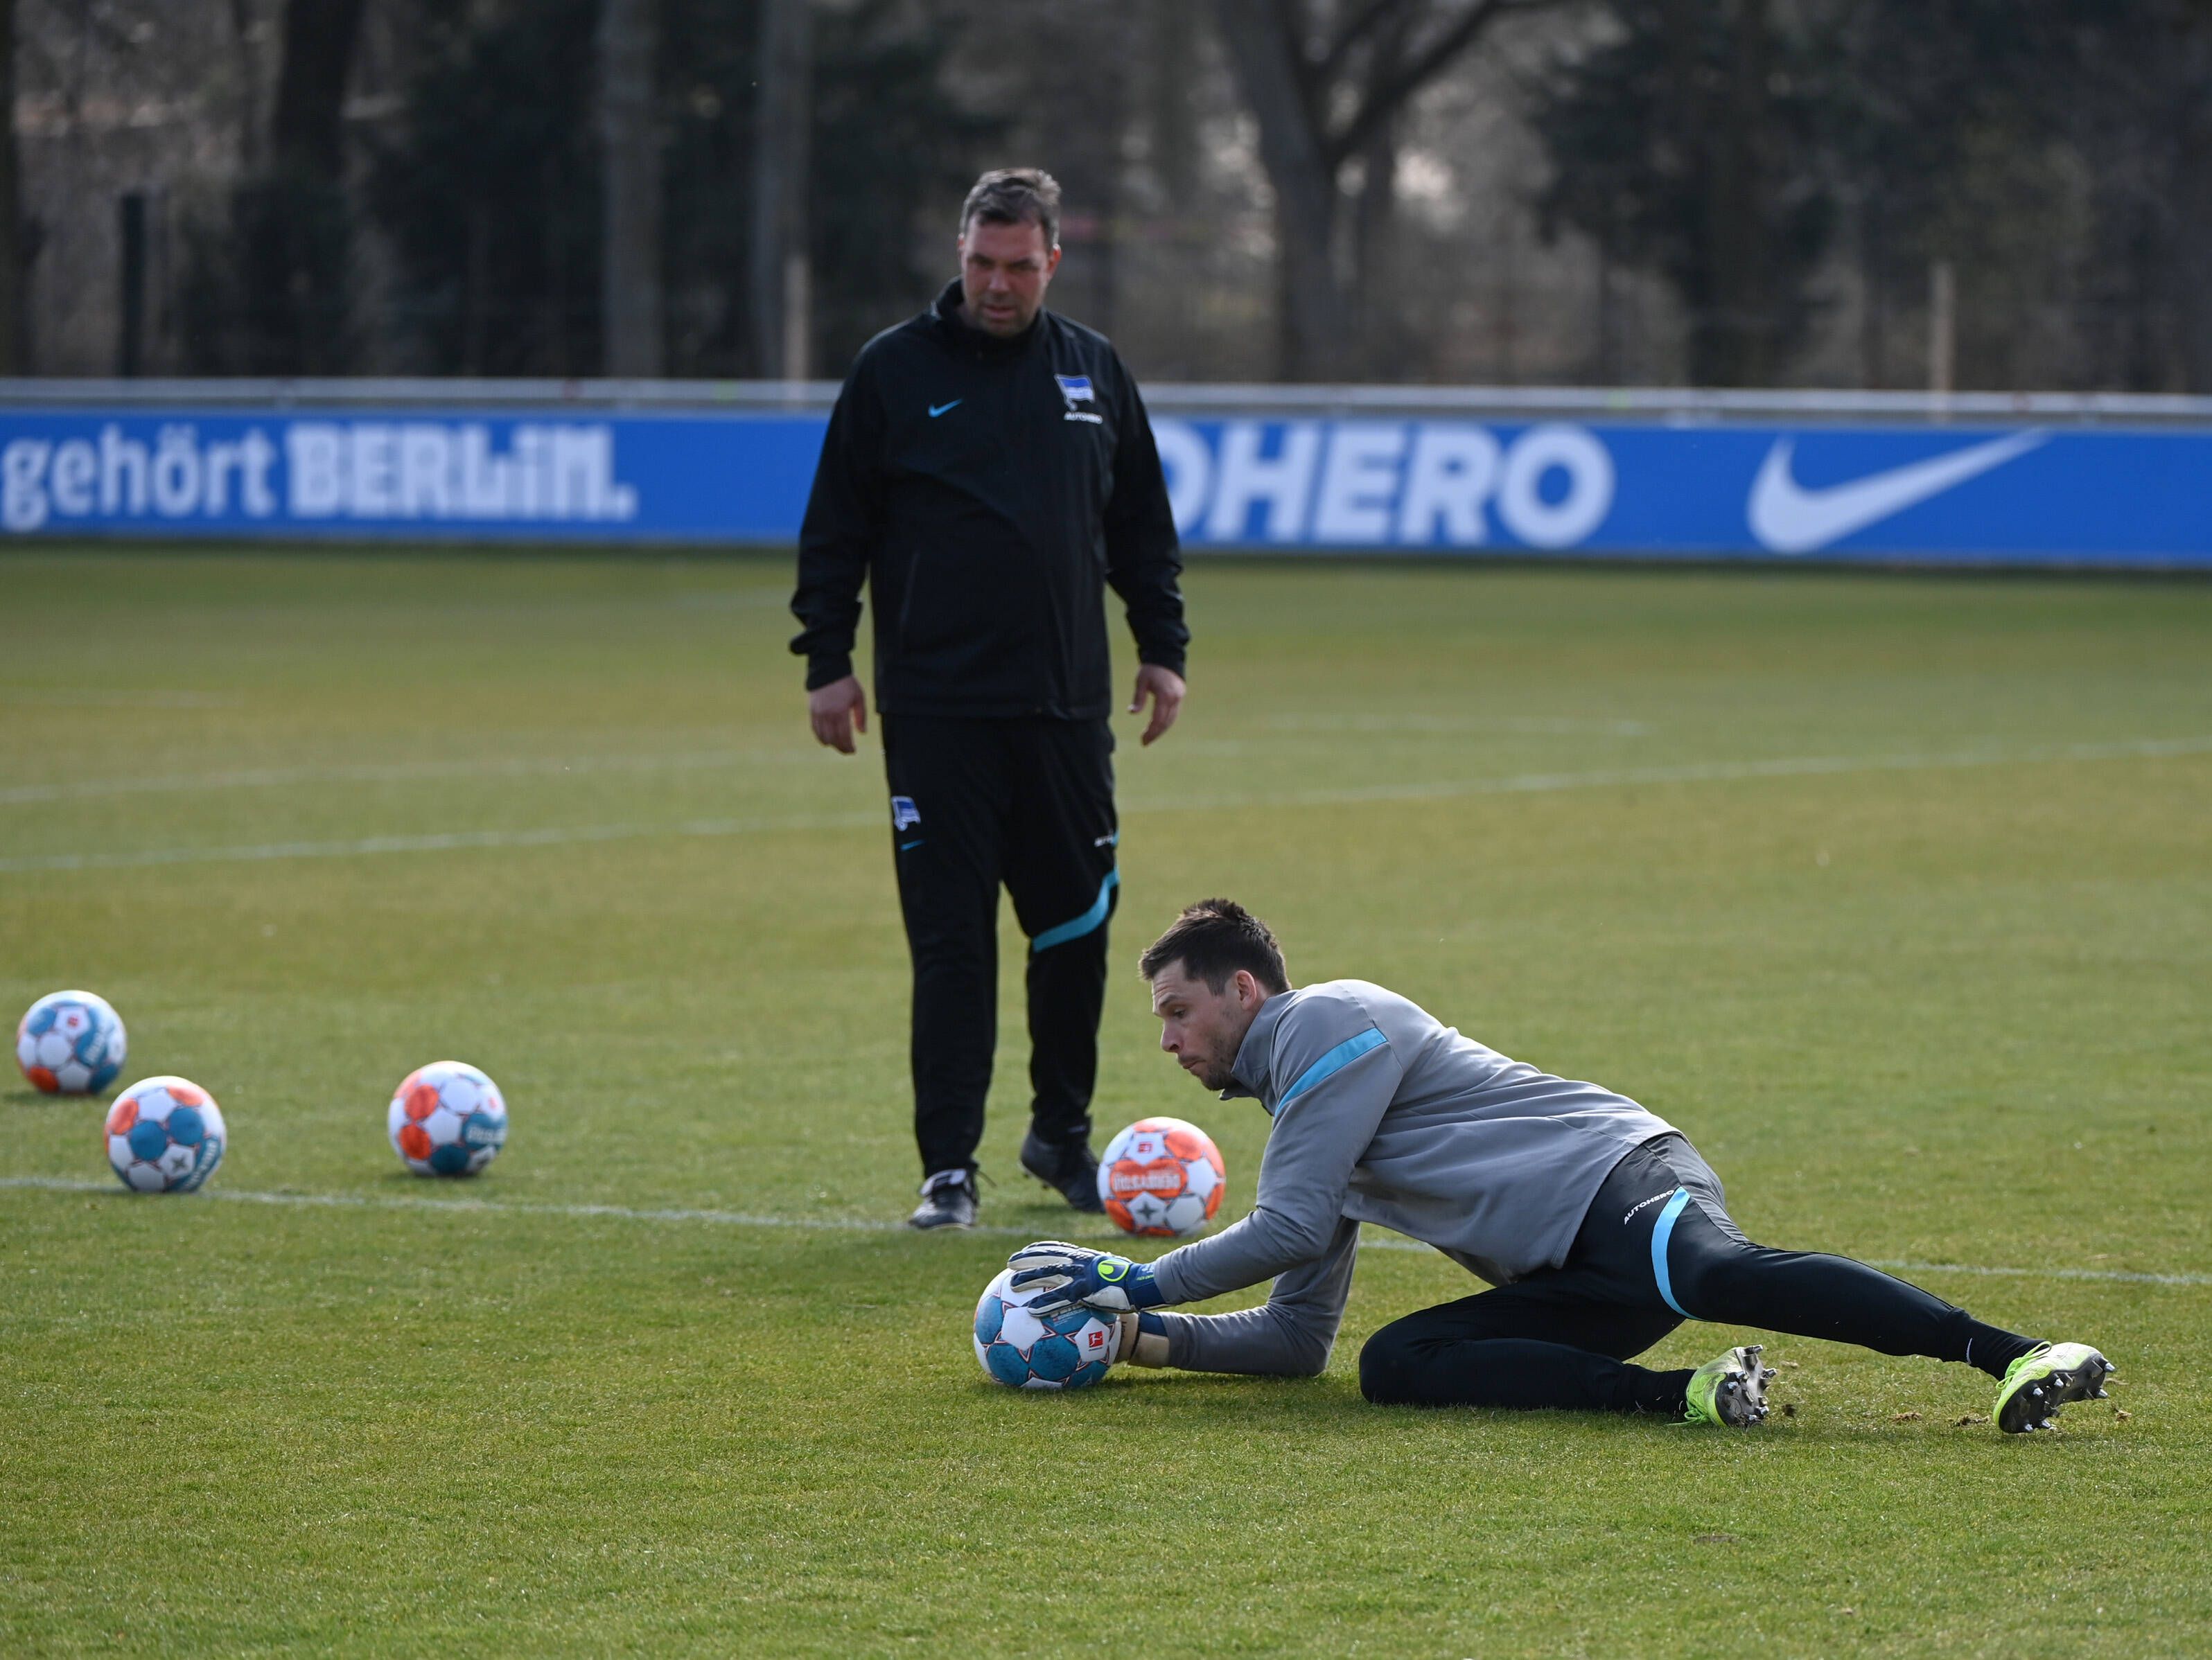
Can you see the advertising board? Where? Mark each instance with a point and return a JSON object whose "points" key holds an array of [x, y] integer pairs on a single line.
{"points": [[1982, 493]]}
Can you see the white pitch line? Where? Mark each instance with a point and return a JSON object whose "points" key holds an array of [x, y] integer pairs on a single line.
{"points": [[398, 773], [1522, 784], [871, 1225], [507, 1207], [1705, 772], [435, 842]]}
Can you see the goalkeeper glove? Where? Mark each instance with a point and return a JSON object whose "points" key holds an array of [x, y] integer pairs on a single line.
{"points": [[1056, 1275]]}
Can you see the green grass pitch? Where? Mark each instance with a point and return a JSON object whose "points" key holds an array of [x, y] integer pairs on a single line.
{"points": [[1894, 893]]}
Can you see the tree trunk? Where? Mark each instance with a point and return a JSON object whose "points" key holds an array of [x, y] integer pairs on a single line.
{"points": [[1311, 317], [307, 128], [629, 145], [1689, 143], [1373, 256], [1738, 223], [1171, 85], [779, 269], [293, 224], [11, 253], [249, 85], [1873, 314]]}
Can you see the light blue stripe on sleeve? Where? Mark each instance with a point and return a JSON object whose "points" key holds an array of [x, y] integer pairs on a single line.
{"points": [[1661, 1231], [1083, 924], [1333, 1063]]}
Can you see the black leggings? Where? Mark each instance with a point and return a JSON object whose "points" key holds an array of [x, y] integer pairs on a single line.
{"points": [[1656, 1247]]}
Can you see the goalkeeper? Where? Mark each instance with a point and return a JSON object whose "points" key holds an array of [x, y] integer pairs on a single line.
{"points": [[1596, 1221]]}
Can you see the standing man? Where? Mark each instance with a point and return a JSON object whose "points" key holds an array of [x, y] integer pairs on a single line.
{"points": [[988, 470]]}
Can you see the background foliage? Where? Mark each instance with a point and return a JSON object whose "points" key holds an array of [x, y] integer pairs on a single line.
{"points": [[1725, 191]]}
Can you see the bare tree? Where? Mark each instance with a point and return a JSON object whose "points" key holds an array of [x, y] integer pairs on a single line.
{"points": [[1326, 86], [629, 140], [779, 270]]}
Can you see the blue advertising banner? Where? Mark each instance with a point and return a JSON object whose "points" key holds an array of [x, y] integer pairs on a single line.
{"points": [[407, 475], [2071, 495], [2055, 496]]}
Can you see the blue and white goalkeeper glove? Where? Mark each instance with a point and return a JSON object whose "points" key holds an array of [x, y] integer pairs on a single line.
{"points": [[1055, 1275]]}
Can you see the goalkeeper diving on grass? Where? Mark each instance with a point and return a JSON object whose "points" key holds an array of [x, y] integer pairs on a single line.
{"points": [[1597, 1223]]}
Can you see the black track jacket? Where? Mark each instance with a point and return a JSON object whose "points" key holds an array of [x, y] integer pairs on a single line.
{"points": [[987, 488]]}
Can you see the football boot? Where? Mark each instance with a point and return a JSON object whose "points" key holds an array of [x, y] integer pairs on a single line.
{"points": [[1729, 1393], [1069, 1168], [2043, 1379], [948, 1200]]}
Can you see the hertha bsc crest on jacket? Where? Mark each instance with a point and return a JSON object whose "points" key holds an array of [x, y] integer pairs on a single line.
{"points": [[1076, 388]]}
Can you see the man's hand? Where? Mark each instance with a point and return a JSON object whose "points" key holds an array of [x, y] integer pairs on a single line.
{"points": [[1054, 1276], [839, 710], [1165, 689]]}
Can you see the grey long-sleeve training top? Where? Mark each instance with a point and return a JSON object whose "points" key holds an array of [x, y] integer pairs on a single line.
{"points": [[1382, 1114]]}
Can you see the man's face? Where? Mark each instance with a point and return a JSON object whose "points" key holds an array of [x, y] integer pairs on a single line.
{"points": [[1204, 1028], [1004, 269]]}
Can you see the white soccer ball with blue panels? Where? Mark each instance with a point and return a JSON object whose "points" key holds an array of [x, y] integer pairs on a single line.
{"points": [[70, 1043], [447, 1120], [1022, 1350], [165, 1135]]}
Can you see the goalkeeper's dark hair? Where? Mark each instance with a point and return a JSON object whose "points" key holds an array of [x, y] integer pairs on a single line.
{"points": [[1212, 939]]}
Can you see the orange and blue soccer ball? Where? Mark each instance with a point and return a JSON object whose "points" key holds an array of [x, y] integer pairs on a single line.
{"points": [[165, 1135], [1161, 1179], [70, 1043], [1022, 1350], [448, 1119]]}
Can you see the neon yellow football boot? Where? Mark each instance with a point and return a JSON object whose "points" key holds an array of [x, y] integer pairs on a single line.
{"points": [[1729, 1393], [2043, 1379]]}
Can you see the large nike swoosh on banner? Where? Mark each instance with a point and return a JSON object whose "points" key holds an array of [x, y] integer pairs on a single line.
{"points": [[1788, 519]]}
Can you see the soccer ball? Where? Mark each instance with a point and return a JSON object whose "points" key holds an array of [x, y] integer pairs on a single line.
{"points": [[70, 1043], [1024, 1350], [1161, 1179], [165, 1135], [448, 1119]]}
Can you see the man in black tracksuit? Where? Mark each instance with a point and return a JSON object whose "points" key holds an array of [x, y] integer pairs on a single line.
{"points": [[988, 470]]}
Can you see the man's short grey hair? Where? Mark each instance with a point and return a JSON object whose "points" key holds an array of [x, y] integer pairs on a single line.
{"points": [[1014, 196]]}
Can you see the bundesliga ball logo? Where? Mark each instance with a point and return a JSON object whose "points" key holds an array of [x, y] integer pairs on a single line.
{"points": [[1161, 1179]]}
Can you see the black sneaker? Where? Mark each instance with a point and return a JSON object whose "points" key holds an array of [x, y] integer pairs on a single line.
{"points": [[948, 1200], [1071, 1167]]}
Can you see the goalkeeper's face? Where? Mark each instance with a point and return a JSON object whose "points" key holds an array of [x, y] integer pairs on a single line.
{"points": [[1204, 1028]]}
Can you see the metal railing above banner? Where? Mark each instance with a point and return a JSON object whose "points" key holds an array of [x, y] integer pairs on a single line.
{"points": [[1603, 402], [2044, 479]]}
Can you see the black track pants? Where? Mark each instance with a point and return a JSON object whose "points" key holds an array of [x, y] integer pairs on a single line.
{"points": [[1028, 803], [1656, 1247]]}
